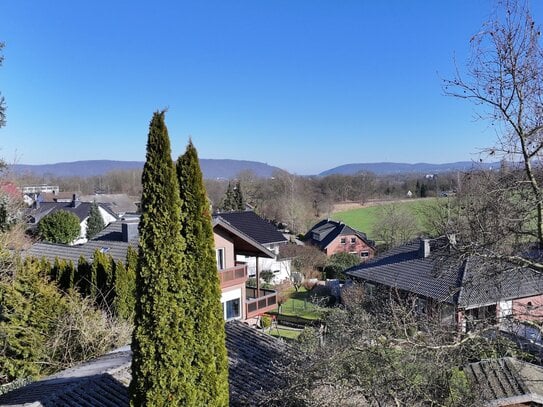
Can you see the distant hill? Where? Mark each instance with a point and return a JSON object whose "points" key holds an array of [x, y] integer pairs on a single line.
{"points": [[402, 168], [211, 168]]}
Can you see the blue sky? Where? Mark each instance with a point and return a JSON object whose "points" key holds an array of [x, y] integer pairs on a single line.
{"points": [[303, 85]]}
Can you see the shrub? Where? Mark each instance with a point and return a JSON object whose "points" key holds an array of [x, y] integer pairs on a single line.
{"points": [[59, 227], [265, 321], [83, 332], [338, 263], [29, 308], [267, 276]]}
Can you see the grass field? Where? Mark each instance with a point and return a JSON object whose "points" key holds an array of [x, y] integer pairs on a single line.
{"points": [[300, 305], [363, 219], [285, 333]]}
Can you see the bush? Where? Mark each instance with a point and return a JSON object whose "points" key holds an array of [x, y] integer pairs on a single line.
{"points": [[83, 332], [338, 263], [265, 321], [266, 275], [59, 227], [29, 308]]}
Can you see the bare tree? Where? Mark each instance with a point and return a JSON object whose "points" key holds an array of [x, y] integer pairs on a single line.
{"points": [[395, 225], [505, 79], [376, 354]]}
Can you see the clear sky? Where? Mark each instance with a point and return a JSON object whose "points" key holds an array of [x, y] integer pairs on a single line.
{"points": [[303, 85]]}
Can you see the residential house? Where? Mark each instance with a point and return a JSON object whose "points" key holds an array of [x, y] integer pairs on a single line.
{"points": [[265, 233], [121, 204], [40, 209], [465, 293], [333, 237], [254, 361], [239, 301]]}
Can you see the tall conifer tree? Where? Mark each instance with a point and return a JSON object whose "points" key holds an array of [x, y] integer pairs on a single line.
{"points": [[238, 198], [163, 339], [210, 358], [95, 222]]}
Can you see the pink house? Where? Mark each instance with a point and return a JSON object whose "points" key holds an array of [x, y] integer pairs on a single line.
{"points": [[464, 293], [240, 301]]}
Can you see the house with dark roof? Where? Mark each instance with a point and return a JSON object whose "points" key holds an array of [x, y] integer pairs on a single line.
{"points": [[333, 237], [239, 301], [464, 292], [254, 360], [506, 382], [265, 233], [40, 209]]}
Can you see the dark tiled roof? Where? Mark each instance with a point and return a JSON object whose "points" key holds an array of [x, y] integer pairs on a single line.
{"points": [[100, 382], [404, 268], [108, 240], [482, 284], [253, 226], [82, 210], [469, 285], [252, 360], [506, 381], [326, 231]]}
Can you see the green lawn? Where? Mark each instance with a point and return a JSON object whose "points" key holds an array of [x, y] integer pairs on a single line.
{"points": [[285, 333], [300, 305], [363, 219]]}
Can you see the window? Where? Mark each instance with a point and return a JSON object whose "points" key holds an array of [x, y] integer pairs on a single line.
{"points": [[370, 289], [343, 240], [365, 254], [353, 240], [220, 258], [233, 309]]}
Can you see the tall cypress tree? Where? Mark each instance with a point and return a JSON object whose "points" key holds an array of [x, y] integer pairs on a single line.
{"points": [[239, 202], [95, 222], [210, 358], [163, 338]]}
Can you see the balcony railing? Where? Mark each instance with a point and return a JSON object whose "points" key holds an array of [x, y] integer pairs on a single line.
{"points": [[233, 275], [259, 301]]}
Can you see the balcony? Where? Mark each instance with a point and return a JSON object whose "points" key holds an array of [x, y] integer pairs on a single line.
{"points": [[259, 302], [233, 275]]}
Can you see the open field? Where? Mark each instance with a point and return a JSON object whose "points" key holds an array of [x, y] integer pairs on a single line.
{"points": [[364, 216]]}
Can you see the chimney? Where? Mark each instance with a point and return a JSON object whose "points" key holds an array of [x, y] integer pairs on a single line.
{"points": [[129, 230], [424, 249], [75, 201]]}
